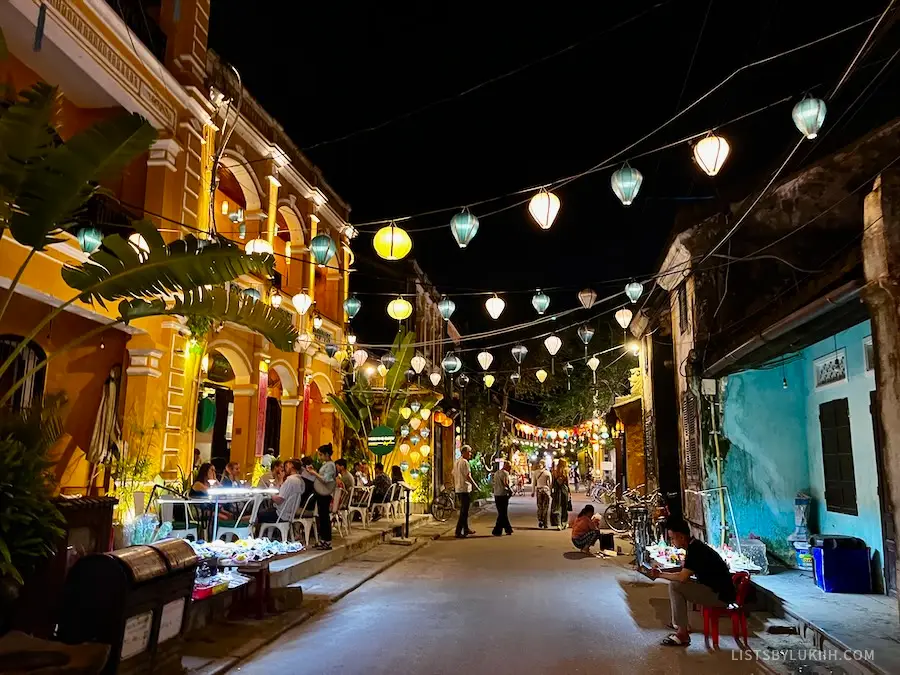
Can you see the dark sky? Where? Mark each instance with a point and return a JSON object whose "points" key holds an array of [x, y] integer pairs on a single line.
{"points": [[328, 69]]}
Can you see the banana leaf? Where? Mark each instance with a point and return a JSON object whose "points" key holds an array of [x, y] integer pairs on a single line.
{"points": [[219, 304], [58, 187], [116, 270], [403, 352], [349, 417]]}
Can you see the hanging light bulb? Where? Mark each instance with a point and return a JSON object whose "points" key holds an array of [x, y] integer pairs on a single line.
{"points": [[89, 238], [626, 183], [634, 289], [392, 242], [446, 307], [587, 297], [399, 309], [435, 377], [302, 302], [382, 369], [488, 380], [464, 227], [485, 359], [140, 245], [494, 306], [544, 207], [809, 115], [451, 363], [352, 305], [623, 317], [418, 363], [710, 153], [322, 249], [351, 339], [258, 246], [317, 321], [541, 375], [540, 301], [388, 360], [634, 347]]}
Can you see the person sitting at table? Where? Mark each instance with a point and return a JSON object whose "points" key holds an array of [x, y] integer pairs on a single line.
{"points": [[273, 477], [713, 586], [231, 475], [293, 485], [396, 474], [347, 480], [205, 477]]}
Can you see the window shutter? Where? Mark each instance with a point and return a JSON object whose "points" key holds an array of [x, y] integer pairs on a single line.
{"points": [[837, 457], [691, 444]]}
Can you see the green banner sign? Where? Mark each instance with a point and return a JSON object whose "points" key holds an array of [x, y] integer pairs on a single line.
{"points": [[382, 441]]}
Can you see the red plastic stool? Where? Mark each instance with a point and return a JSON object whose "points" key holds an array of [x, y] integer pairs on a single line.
{"points": [[737, 611]]}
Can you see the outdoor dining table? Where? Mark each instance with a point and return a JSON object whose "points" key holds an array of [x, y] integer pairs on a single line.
{"points": [[223, 495]]}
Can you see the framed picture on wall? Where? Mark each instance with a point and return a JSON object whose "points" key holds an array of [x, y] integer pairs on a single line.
{"points": [[830, 369], [869, 353]]}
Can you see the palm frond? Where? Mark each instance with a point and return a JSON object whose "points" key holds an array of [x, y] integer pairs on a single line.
{"points": [[59, 186], [219, 304], [349, 417], [403, 353], [116, 270]]}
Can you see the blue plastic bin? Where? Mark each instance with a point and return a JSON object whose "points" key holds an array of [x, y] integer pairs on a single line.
{"points": [[842, 570]]}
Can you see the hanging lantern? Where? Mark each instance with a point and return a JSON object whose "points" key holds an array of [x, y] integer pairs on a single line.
{"points": [[424, 450], [275, 298], [541, 375], [809, 114], [623, 317], [258, 246], [585, 333], [322, 249], [382, 370], [340, 356], [404, 466], [518, 353], [514, 378], [413, 473], [415, 440], [388, 360], [544, 207], [569, 369], [139, 244], [451, 363], [331, 350], [634, 289], [410, 375], [360, 356], [424, 433], [425, 467], [552, 343], [594, 363], [404, 430], [302, 302], [464, 227], [351, 339], [252, 293], [242, 231], [446, 307], [418, 363], [494, 306], [352, 305], [392, 242], [462, 381], [89, 238], [405, 412], [399, 309], [435, 377], [488, 380], [404, 449], [317, 321], [710, 153], [626, 183], [424, 413], [540, 301], [415, 423], [587, 297], [485, 359], [304, 340]]}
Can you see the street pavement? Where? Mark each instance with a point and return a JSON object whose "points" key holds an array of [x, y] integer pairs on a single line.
{"points": [[526, 603]]}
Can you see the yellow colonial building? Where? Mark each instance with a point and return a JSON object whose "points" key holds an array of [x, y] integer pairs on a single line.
{"points": [[153, 59]]}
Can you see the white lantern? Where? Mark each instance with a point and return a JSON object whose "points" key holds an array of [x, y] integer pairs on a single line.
{"points": [[302, 302], [541, 375], [139, 244], [587, 297], [552, 343], [276, 299], [494, 306], [623, 317], [424, 450], [318, 321], [593, 363], [360, 356], [351, 339], [424, 413], [258, 246], [485, 359], [304, 340], [435, 377], [544, 207], [710, 153], [418, 363]]}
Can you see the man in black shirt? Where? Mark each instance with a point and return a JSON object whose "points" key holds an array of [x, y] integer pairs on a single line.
{"points": [[713, 586]]}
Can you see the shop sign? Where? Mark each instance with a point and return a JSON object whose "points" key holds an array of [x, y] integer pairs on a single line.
{"points": [[381, 440]]}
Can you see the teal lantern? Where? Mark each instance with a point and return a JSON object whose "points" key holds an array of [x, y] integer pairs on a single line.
{"points": [[464, 227], [252, 293], [809, 114], [425, 468], [352, 305], [626, 182], [446, 307], [404, 466], [540, 301], [242, 231], [322, 249], [633, 290], [414, 474], [451, 363], [89, 238]]}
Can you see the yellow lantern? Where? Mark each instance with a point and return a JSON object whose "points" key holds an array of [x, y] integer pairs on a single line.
{"points": [[340, 356], [382, 369], [424, 450], [399, 309], [541, 375], [488, 380], [415, 456], [710, 153], [405, 412], [424, 413], [392, 242]]}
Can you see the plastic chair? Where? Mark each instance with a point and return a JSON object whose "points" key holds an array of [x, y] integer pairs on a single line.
{"points": [[397, 502], [184, 529], [737, 611], [240, 528], [282, 524], [337, 502], [307, 518], [360, 501], [385, 506]]}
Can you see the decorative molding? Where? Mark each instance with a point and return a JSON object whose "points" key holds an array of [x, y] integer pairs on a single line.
{"points": [[135, 371], [193, 65], [291, 402], [244, 391], [164, 152], [176, 326]]}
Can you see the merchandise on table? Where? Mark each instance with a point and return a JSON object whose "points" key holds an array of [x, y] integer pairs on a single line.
{"points": [[244, 551], [226, 579]]}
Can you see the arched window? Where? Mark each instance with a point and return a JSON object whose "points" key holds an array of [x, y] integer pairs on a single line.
{"points": [[32, 391]]}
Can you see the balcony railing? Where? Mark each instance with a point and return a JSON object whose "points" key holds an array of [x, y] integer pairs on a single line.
{"points": [[137, 15], [106, 214]]}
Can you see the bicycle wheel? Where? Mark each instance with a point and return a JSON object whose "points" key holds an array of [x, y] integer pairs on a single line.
{"points": [[442, 508], [616, 516]]}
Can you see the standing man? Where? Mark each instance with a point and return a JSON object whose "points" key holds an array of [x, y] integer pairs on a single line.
{"points": [[324, 483], [463, 483], [502, 493], [540, 486]]}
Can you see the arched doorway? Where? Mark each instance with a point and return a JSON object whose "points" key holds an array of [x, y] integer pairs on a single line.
{"points": [[272, 437], [320, 422]]}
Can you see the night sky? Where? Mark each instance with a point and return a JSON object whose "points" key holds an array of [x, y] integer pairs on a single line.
{"points": [[325, 70]]}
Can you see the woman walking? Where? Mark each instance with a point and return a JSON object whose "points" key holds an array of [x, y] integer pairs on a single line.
{"points": [[500, 482], [540, 488], [560, 505], [324, 483]]}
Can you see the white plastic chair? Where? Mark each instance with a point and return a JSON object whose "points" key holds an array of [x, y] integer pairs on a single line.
{"points": [[385, 506], [343, 512], [398, 505], [307, 518], [167, 510], [360, 501], [284, 523], [241, 529], [337, 503]]}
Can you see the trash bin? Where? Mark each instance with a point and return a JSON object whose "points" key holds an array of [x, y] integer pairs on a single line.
{"points": [[841, 563]]}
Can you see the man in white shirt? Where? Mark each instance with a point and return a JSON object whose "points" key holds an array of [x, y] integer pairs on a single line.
{"points": [[292, 485], [540, 486], [463, 483]]}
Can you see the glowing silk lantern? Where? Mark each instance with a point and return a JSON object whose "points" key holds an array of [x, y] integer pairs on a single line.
{"points": [[258, 246], [275, 299], [404, 466], [464, 227], [405, 412], [552, 343], [322, 249], [302, 302], [415, 423], [552, 435], [424, 413], [710, 153], [425, 467], [634, 348], [352, 305], [413, 473], [446, 307], [425, 450], [404, 448], [415, 456], [544, 207], [304, 340], [808, 115], [514, 378], [623, 317], [435, 377], [382, 370], [415, 440], [634, 289], [540, 301], [585, 333], [404, 430], [89, 238], [488, 380], [351, 339], [418, 363], [331, 350], [626, 183], [424, 433], [415, 406], [541, 375], [451, 363], [392, 242], [399, 309], [587, 297], [140, 245], [318, 322], [388, 360], [340, 356], [485, 359], [360, 356], [594, 363], [463, 380], [494, 306], [518, 353]]}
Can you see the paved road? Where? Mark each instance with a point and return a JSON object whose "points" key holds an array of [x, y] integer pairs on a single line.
{"points": [[523, 604]]}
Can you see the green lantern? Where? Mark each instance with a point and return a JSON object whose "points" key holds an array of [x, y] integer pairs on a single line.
{"points": [[352, 305], [252, 293], [626, 182], [89, 238], [464, 227], [322, 249], [540, 301], [809, 115], [206, 415]]}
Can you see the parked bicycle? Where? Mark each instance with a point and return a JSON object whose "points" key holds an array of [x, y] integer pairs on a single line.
{"points": [[617, 517], [444, 505], [603, 492]]}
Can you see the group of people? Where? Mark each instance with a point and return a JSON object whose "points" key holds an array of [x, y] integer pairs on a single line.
{"points": [[551, 489]]}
